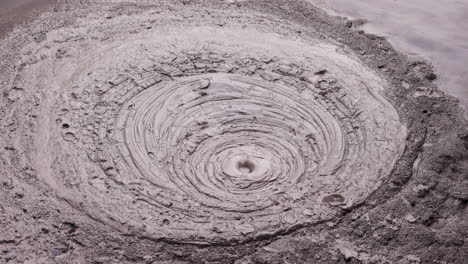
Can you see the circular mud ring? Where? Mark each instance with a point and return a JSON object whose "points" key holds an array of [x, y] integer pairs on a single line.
{"points": [[221, 142]]}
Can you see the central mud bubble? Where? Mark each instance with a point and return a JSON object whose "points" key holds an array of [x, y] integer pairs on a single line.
{"points": [[246, 166]]}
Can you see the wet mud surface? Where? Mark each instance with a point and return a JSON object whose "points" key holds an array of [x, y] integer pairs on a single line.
{"points": [[13, 12], [223, 132]]}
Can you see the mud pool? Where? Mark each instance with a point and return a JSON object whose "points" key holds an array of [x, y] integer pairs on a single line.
{"points": [[223, 132]]}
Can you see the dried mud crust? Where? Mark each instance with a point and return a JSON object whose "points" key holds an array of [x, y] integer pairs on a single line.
{"points": [[266, 132]]}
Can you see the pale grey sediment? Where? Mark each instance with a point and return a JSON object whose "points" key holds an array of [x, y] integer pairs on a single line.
{"points": [[220, 144], [214, 132]]}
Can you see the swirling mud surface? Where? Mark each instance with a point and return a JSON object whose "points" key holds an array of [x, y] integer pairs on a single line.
{"points": [[222, 129]]}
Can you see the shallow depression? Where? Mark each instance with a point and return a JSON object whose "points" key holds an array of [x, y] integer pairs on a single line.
{"points": [[236, 152], [224, 142]]}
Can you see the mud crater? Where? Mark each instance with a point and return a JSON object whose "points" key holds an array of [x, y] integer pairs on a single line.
{"points": [[222, 143]]}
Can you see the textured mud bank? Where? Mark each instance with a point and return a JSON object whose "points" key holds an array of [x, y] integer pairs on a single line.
{"points": [[223, 132]]}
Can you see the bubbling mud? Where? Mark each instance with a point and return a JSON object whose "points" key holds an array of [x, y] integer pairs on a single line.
{"points": [[243, 136]]}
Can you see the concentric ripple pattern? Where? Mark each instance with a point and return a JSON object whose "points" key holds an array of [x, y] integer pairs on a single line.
{"points": [[241, 136]]}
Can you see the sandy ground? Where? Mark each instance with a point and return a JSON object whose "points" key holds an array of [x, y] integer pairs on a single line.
{"points": [[223, 132]]}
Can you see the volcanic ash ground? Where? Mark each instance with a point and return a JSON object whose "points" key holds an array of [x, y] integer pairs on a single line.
{"points": [[194, 131]]}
